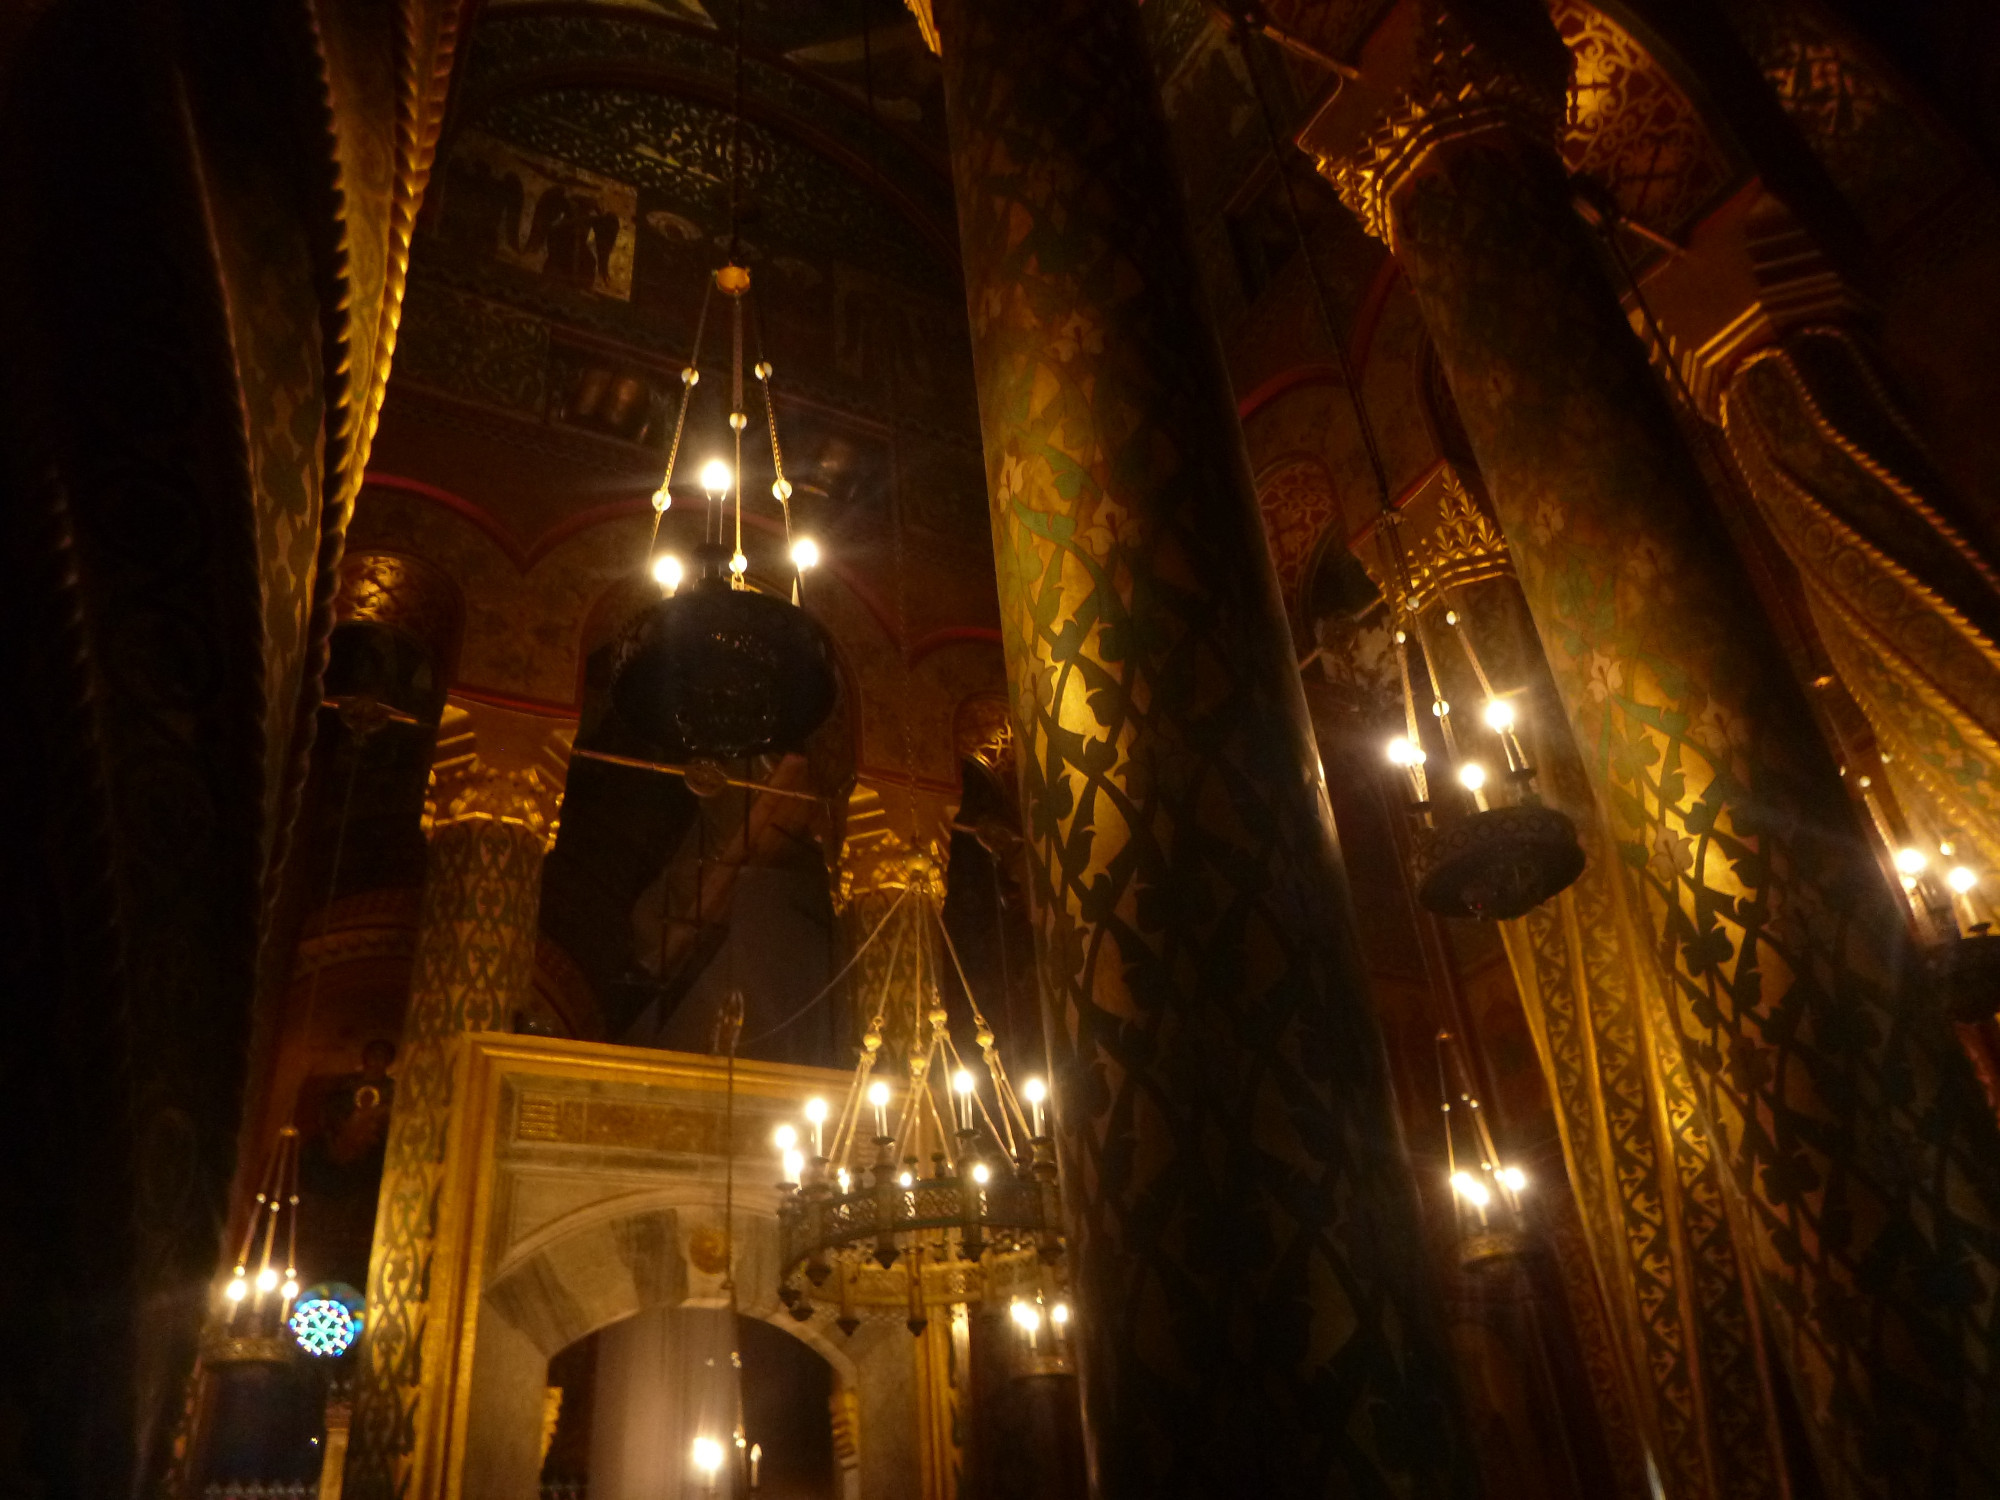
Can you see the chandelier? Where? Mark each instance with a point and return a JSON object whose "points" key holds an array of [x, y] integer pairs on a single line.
{"points": [[718, 670], [934, 1181], [1486, 1192], [274, 1222], [1490, 848]]}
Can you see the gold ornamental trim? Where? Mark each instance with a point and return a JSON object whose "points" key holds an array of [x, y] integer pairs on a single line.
{"points": [[1459, 86], [1465, 547]]}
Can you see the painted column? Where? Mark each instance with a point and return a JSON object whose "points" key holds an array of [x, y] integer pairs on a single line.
{"points": [[491, 817], [1252, 1315], [1897, 573], [1863, 1165]]}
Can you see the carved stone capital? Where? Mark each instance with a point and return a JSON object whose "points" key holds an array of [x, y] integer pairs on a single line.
{"points": [[1436, 71], [499, 766]]}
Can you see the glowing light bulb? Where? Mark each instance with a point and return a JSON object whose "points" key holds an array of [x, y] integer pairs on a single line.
{"points": [[1514, 1178], [1027, 1316], [805, 553], [962, 1081], [667, 571], [707, 1455], [290, 1289], [1910, 861], [238, 1288], [1472, 775], [739, 564], [1036, 1093], [715, 478], [1059, 1314], [795, 1165], [1962, 880], [1471, 1189], [267, 1280], [981, 1173], [846, 1182], [906, 1180], [1499, 716], [1403, 753], [784, 1138], [816, 1117], [878, 1094]]}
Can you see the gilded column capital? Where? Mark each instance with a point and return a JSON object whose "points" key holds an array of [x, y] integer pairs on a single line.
{"points": [[885, 849], [495, 765], [1436, 71]]}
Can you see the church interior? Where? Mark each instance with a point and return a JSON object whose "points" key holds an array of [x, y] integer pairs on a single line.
{"points": [[969, 749]]}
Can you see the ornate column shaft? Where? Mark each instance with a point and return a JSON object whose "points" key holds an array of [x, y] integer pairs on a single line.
{"points": [[1864, 1168], [1252, 1315], [1898, 576], [495, 790]]}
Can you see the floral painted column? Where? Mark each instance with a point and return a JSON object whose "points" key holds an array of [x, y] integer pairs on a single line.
{"points": [[1252, 1317], [1863, 1165], [495, 789]]}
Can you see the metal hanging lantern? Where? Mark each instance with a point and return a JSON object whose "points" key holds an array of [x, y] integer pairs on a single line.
{"points": [[1492, 861], [720, 673], [1498, 864]]}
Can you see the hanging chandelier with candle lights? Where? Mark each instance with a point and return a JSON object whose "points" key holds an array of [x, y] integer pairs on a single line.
{"points": [[271, 1243], [719, 670], [1488, 847], [933, 1181], [1487, 1192]]}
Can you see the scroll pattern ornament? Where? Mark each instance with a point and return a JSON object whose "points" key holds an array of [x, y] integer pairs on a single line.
{"points": [[1908, 610]]}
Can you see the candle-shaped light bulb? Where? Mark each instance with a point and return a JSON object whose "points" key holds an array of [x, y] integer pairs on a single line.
{"points": [[715, 478], [1911, 861], [1472, 776], [1036, 1093], [756, 1462], [981, 1173], [816, 1117], [784, 1138], [795, 1166], [962, 1084], [805, 553], [878, 1095], [1409, 756], [707, 1456], [1514, 1179], [1499, 716], [1472, 1190], [667, 571], [1962, 880]]}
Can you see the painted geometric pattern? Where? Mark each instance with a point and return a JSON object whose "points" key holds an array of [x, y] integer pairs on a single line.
{"points": [[1243, 1220], [1631, 127], [1864, 1166], [474, 963]]}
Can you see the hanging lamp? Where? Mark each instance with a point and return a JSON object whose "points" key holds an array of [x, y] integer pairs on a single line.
{"points": [[934, 1180], [717, 670], [1488, 852]]}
